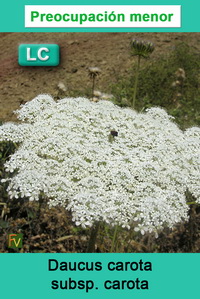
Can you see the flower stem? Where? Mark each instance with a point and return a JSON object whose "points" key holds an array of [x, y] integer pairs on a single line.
{"points": [[136, 82], [114, 239], [93, 84], [93, 237]]}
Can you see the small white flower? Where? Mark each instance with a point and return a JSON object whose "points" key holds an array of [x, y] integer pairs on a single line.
{"points": [[140, 177]]}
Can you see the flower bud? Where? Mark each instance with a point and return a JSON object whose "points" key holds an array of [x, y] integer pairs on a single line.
{"points": [[141, 48]]}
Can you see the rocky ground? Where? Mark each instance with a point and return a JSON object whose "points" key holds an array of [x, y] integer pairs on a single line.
{"points": [[108, 51]]}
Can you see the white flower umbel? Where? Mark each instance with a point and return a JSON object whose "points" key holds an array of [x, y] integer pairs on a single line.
{"points": [[103, 162]]}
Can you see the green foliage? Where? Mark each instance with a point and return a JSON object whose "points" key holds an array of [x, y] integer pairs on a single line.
{"points": [[155, 86]]}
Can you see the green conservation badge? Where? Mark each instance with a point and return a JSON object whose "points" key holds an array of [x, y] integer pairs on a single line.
{"points": [[39, 55]]}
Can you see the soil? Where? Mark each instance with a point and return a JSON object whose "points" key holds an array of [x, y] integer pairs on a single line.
{"points": [[108, 51]]}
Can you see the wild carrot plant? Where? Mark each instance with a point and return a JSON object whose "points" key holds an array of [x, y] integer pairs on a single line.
{"points": [[139, 179], [141, 49]]}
